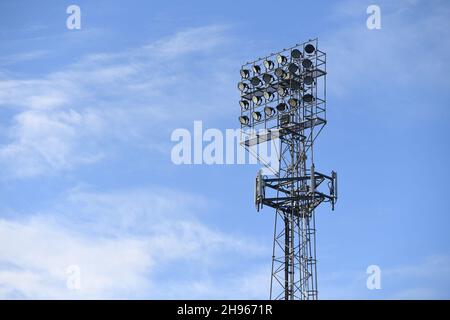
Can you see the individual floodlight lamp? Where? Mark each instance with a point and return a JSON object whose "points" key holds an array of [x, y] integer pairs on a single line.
{"points": [[285, 119], [269, 112], [245, 74], [296, 54], [256, 100], [268, 95], [268, 64], [244, 104], [308, 97], [306, 63], [267, 78], [281, 107], [309, 48], [308, 80], [243, 120], [242, 86], [282, 91], [295, 85], [281, 59], [292, 68], [289, 76], [255, 81], [280, 73], [256, 69], [256, 115], [293, 103]]}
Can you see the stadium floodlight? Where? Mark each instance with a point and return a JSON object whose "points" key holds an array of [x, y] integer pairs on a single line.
{"points": [[289, 76], [242, 86], [257, 100], [308, 97], [281, 107], [245, 73], [292, 68], [308, 80], [244, 120], [285, 119], [306, 63], [269, 111], [280, 73], [268, 64], [268, 95], [295, 85], [256, 115], [267, 78], [281, 59], [309, 48], [289, 106], [296, 54], [282, 91], [256, 69], [244, 104], [293, 103], [255, 81]]}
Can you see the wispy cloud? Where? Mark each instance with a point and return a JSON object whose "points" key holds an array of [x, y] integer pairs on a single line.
{"points": [[190, 40], [35, 262], [424, 278], [21, 57], [427, 279], [48, 141], [122, 245], [114, 97]]}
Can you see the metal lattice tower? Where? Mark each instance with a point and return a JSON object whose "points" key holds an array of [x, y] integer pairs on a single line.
{"points": [[283, 96]]}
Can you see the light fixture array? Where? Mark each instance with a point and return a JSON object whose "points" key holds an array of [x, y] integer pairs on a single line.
{"points": [[278, 84]]}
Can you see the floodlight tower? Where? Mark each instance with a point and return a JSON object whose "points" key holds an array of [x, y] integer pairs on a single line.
{"points": [[283, 96]]}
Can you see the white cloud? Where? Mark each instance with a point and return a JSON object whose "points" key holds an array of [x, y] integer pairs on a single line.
{"points": [[40, 253], [190, 40], [251, 282], [123, 246], [47, 141], [426, 277], [24, 56], [106, 99]]}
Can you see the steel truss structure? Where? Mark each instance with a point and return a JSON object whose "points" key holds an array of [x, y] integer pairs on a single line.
{"points": [[283, 96]]}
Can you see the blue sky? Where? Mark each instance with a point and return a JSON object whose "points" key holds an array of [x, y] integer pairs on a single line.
{"points": [[86, 177]]}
